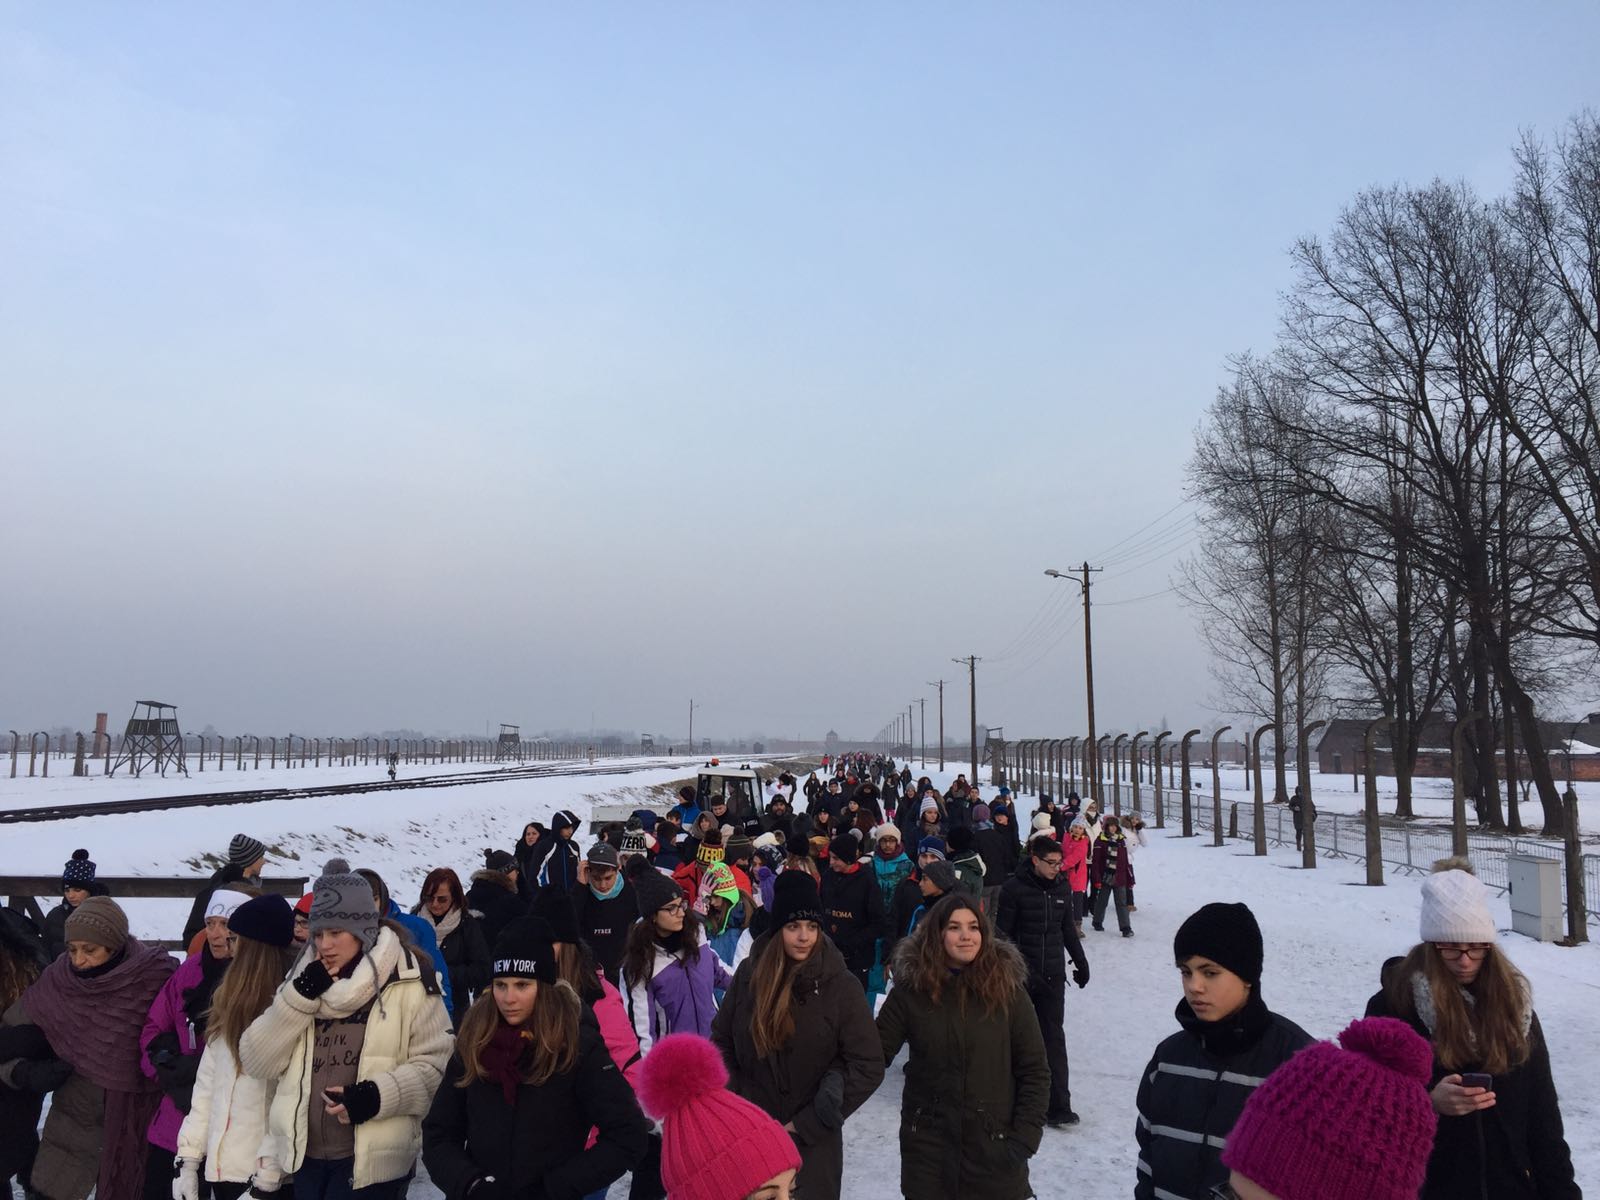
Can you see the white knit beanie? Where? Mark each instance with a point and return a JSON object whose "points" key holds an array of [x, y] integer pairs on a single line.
{"points": [[1455, 909], [1041, 822]]}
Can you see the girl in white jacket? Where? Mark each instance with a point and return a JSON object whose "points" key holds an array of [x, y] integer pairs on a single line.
{"points": [[355, 1043], [223, 1144]]}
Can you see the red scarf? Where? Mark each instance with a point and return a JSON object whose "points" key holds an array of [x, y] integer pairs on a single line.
{"points": [[505, 1059]]}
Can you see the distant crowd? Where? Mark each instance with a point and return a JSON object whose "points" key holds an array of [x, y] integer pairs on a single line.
{"points": [[700, 999]]}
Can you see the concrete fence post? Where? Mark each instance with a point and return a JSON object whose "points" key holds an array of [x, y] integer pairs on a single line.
{"points": [[1133, 755], [1259, 823], [1216, 788], [1188, 785], [1155, 777]]}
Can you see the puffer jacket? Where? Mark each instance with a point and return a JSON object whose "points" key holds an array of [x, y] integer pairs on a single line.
{"points": [[404, 1051], [977, 1085], [677, 998], [179, 1009], [1075, 862], [227, 1123], [536, 1145], [833, 1031], [1194, 1089], [1036, 914], [1516, 1150], [495, 896]]}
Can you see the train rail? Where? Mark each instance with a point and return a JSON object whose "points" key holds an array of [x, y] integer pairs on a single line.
{"points": [[102, 808]]}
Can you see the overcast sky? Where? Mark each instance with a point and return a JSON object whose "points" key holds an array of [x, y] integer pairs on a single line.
{"points": [[369, 366]]}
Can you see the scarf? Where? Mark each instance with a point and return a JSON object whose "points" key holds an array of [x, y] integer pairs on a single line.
{"points": [[1428, 1011], [447, 924], [197, 1000], [93, 1022], [353, 991], [505, 1059], [611, 893]]}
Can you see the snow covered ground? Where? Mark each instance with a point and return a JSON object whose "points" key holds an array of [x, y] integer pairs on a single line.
{"points": [[1326, 938]]}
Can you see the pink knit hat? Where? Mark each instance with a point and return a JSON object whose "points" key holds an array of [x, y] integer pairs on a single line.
{"points": [[1350, 1124], [714, 1145]]}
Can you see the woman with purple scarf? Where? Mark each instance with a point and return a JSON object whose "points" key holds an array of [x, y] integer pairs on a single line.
{"points": [[77, 1030]]}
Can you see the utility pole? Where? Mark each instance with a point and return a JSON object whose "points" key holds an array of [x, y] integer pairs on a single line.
{"points": [[971, 662], [940, 685], [1093, 779], [691, 727], [922, 703], [911, 733]]}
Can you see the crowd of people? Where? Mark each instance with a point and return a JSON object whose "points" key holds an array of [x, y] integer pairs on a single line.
{"points": [[701, 999]]}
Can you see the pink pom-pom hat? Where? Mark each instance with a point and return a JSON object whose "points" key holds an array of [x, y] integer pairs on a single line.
{"points": [[1342, 1124], [714, 1145]]}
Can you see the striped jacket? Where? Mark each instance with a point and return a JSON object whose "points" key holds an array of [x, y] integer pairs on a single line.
{"points": [[1194, 1090]]}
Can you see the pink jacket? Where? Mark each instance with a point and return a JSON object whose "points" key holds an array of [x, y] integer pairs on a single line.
{"points": [[617, 1031], [1075, 863], [167, 1016]]}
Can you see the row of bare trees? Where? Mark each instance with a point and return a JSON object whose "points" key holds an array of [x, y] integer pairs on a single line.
{"points": [[1400, 503]]}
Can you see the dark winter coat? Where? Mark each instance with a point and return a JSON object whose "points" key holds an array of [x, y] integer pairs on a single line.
{"points": [[537, 1145], [529, 860], [1194, 1090], [904, 904], [1036, 914], [1516, 1150], [604, 925], [833, 1031], [495, 896], [465, 952], [977, 1085], [1122, 875], [852, 913], [220, 878], [561, 865], [1001, 852]]}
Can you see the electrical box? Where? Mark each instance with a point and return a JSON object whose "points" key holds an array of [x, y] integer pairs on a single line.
{"points": [[1535, 896]]}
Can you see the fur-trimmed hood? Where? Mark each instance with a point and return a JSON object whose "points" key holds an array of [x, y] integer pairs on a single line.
{"points": [[906, 965]]}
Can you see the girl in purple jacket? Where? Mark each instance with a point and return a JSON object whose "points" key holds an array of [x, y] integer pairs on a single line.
{"points": [[668, 971], [175, 1034]]}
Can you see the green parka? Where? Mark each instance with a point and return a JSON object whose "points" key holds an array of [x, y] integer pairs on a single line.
{"points": [[977, 1085]]}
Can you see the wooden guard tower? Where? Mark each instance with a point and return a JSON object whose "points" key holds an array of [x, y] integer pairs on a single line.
{"points": [[152, 739], [509, 747]]}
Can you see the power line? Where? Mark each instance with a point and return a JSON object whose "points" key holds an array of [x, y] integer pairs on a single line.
{"points": [[1102, 555], [1135, 599], [1145, 544]]}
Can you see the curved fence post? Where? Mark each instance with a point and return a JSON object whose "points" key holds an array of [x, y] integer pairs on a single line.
{"points": [[1308, 809], [1216, 787], [1458, 794], [1188, 785], [1374, 830], [1259, 827], [1116, 773], [1133, 757], [16, 744], [1100, 768], [257, 741], [33, 751], [1072, 763], [1155, 777]]}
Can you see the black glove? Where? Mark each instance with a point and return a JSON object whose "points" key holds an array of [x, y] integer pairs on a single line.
{"points": [[1020, 1154], [487, 1187], [829, 1103], [313, 980], [361, 1101], [1080, 976], [41, 1075], [260, 1191]]}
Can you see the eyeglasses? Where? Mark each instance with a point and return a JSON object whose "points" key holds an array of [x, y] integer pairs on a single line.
{"points": [[1052, 863], [1473, 953], [677, 906]]}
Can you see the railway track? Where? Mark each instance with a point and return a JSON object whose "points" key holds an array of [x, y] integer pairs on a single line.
{"points": [[102, 808]]}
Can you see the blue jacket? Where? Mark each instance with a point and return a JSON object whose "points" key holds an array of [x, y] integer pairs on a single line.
{"points": [[421, 931]]}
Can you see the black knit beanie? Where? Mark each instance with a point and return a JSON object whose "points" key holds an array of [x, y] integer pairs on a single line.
{"points": [[795, 898], [524, 950], [1227, 934], [654, 891], [266, 919], [845, 847]]}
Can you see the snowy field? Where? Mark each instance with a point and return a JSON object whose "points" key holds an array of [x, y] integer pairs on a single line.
{"points": [[1326, 937]]}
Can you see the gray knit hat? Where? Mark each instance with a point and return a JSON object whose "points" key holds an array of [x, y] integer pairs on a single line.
{"points": [[244, 850], [341, 899]]}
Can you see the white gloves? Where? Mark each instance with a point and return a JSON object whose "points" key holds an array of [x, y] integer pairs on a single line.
{"points": [[186, 1179]]}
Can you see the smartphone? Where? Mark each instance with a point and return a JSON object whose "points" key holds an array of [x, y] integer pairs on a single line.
{"points": [[1476, 1079]]}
